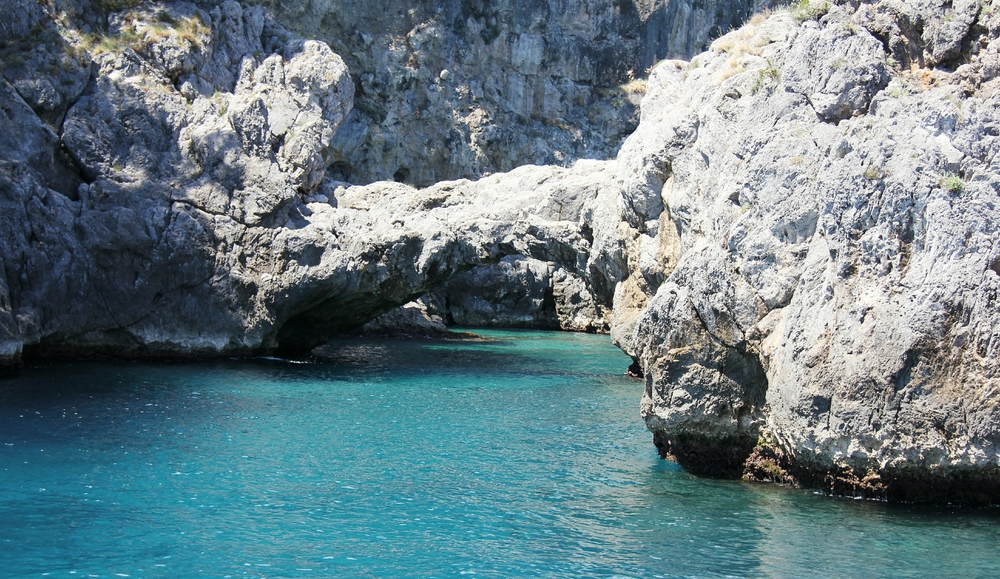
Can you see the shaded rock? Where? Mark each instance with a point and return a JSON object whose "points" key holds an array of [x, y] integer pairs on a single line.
{"points": [[48, 73], [576, 308], [518, 292], [515, 293], [464, 89], [19, 19], [32, 145], [838, 68], [169, 184], [408, 320], [10, 335]]}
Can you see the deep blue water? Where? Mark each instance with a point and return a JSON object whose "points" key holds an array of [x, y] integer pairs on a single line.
{"points": [[520, 457]]}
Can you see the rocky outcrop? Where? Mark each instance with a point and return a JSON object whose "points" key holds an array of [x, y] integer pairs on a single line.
{"points": [[190, 215], [19, 20], [464, 88], [523, 292], [167, 156], [405, 241], [829, 203]]}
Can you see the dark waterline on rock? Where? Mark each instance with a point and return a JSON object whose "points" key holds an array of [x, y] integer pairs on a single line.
{"points": [[519, 457]]}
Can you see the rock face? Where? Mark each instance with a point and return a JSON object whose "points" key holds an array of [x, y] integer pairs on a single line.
{"points": [[403, 242], [830, 303], [191, 216], [464, 88]]}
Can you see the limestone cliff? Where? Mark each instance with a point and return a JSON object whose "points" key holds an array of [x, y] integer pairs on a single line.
{"points": [[161, 160], [174, 203], [464, 88], [825, 186]]}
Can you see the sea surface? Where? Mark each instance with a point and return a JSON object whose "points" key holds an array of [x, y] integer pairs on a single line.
{"points": [[520, 456]]}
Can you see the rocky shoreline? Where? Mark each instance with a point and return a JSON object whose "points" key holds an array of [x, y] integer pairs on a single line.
{"points": [[797, 243]]}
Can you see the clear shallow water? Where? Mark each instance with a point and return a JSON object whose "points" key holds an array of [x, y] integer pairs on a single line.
{"points": [[522, 457]]}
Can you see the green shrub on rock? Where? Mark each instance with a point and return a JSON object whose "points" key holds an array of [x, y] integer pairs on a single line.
{"points": [[810, 10], [953, 183]]}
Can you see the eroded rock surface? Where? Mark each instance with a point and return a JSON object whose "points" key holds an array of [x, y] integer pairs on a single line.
{"points": [[464, 88], [833, 299], [190, 215]]}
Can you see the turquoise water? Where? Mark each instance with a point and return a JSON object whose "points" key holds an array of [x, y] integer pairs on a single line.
{"points": [[520, 457]]}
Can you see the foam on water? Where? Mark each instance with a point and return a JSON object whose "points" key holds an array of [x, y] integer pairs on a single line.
{"points": [[519, 457]]}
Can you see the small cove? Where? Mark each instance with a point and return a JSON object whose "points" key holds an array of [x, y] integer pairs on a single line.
{"points": [[522, 456]]}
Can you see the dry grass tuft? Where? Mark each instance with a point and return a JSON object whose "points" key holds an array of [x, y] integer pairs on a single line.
{"points": [[637, 86]]}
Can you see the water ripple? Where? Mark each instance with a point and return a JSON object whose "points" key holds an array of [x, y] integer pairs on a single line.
{"points": [[521, 456]]}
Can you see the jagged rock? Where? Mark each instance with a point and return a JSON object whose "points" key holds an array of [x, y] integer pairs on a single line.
{"points": [[576, 308], [19, 19], [204, 225], [523, 292], [833, 293], [463, 89], [10, 336], [49, 74], [839, 69], [946, 24], [517, 293], [29, 143], [168, 182], [291, 104], [393, 243]]}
